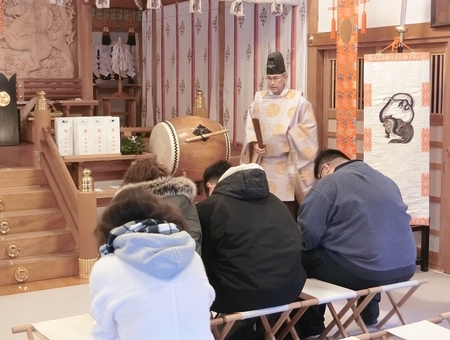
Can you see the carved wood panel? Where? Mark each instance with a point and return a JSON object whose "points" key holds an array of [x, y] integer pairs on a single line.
{"points": [[37, 39]]}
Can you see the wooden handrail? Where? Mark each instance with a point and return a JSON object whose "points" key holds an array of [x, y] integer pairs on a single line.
{"points": [[61, 171], [61, 198], [79, 208]]}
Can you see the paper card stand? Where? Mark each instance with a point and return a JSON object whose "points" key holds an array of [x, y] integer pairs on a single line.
{"points": [[99, 133], [112, 134], [83, 136], [87, 135], [64, 135]]}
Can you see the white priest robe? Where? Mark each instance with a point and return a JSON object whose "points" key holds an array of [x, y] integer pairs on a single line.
{"points": [[289, 133]]}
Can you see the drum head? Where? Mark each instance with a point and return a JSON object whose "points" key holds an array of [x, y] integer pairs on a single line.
{"points": [[164, 144]]}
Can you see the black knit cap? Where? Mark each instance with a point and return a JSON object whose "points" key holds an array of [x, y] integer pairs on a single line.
{"points": [[275, 63]]}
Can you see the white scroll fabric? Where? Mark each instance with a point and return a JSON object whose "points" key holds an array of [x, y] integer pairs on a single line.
{"points": [[397, 124], [154, 4], [102, 3], [195, 6]]}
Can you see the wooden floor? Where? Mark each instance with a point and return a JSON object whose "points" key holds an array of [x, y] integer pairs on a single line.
{"points": [[17, 156], [41, 285]]}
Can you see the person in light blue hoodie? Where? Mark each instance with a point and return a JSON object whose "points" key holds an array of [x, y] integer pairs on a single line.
{"points": [[149, 281]]}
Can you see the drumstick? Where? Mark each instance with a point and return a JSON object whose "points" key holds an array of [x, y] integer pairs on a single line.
{"points": [[257, 128], [192, 139]]}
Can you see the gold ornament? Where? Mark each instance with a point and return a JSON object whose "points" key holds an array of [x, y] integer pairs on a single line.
{"points": [[5, 227], [199, 99], [13, 250], [21, 274], [5, 99], [87, 182]]}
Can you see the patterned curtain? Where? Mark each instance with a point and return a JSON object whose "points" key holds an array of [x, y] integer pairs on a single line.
{"points": [[219, 53]]}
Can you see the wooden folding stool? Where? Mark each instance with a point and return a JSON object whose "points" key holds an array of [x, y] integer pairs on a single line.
{"points": [[425, 329], [76, 327], [222, 323], [413, 285], [319, 292]]}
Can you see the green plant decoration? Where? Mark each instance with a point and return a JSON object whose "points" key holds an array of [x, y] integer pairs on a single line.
{"points": [[133, 145]]}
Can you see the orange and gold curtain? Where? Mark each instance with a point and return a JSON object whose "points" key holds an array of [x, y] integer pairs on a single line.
{"points": [[346, 61]]}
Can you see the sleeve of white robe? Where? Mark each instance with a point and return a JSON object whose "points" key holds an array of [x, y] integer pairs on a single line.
{"points": [[247, 156], [303, 145]]}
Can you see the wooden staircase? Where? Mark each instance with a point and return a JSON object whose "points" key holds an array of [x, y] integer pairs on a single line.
{"points": [[35, 243], [47, 224]]}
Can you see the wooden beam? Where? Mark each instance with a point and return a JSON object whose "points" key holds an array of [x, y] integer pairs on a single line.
{"points": [[130, 4], [127, 4], [381, 35], [116, 25], [171, 2]]}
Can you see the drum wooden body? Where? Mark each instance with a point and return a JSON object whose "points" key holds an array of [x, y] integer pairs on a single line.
{"points": [[168, 143]]}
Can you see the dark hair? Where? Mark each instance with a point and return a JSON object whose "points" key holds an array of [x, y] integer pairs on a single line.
{"points": [[213, 172], [145, 169], [136, 204], [326, 156]]}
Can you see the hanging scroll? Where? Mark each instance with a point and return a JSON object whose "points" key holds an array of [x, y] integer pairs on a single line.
{"points": [[396, 124]]}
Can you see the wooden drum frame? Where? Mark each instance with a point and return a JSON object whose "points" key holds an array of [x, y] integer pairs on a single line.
{"points": [[188, 145]]}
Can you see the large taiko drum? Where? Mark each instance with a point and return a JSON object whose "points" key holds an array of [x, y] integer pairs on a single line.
{"points": [[182, 144]]}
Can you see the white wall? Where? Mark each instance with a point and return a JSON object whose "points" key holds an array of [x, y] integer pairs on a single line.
{"points": [[380, 13]]}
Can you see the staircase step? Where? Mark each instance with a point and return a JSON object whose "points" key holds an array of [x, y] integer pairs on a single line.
{"points": [[42, 267], [21, 177], [13, 199], [26, 221], [105, 196], [36, 243]]}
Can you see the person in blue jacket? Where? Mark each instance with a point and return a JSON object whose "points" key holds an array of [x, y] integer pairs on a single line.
{"points": [[355, 230]]}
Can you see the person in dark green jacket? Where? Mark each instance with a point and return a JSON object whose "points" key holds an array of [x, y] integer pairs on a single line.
{"points": [[180, 191]]}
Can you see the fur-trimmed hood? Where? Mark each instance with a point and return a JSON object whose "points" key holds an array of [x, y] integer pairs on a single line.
{"points": [[167, 186]]}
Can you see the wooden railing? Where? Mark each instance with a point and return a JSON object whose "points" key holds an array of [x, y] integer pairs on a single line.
{"points": [[79, 208]]}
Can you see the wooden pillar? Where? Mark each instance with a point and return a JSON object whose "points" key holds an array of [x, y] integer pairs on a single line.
{"points": [[84, 48], [444, 230], [42, 118], [87, 201], [314, 69], [88, 243]]}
